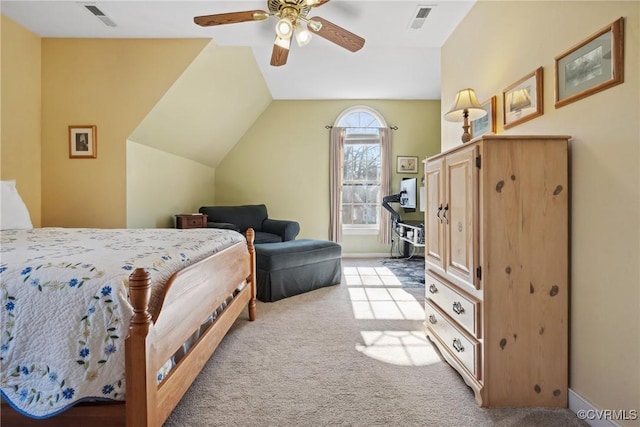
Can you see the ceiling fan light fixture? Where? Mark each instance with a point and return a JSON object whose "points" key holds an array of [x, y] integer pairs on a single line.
{"points": [[284, 28], [303, 37], [290, 15]]}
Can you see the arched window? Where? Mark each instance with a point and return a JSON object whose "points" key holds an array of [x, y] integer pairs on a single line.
{"points": [[361, 119], [360, 177]]}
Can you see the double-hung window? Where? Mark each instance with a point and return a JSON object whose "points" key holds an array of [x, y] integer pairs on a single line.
{"points": [[361, 180]]}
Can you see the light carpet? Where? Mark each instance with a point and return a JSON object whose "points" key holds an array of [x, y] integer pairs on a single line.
{"points": [[353, 354]]}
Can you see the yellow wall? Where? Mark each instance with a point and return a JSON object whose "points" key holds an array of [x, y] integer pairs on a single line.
{"points": [[20, 133], [498, 43], [283, 160], [209, 107], [154, 196], [110, 83]]}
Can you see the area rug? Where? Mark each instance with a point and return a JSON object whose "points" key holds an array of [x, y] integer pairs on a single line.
{"points": [[409, 271]]}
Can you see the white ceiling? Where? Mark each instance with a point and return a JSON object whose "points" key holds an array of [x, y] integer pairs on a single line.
{"points": [[395, 63]]}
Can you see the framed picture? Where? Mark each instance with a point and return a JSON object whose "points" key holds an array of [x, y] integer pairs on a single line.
{"points": [[486, 124], [594, 64], [407, 164], [83, 142], [522, 100]]}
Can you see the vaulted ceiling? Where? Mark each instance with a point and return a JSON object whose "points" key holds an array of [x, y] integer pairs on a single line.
{"points": [[231, 83], [396, 62]]}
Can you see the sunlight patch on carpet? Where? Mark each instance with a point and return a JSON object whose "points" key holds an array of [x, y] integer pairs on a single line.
{"points": [[383, 303], [403, 348], [370, 276]]}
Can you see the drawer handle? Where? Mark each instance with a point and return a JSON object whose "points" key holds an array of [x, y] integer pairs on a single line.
{"points": [[433, 288], [457, 345], [432, 319], [457, 307]]}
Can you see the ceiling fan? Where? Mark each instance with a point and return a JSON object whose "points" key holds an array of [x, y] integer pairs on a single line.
{"points": [[291, 14]]}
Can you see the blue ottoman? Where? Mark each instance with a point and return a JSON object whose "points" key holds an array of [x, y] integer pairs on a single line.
{"points": [[285, 269]]}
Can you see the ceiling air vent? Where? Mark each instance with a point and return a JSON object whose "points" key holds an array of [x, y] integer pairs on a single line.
{"points": [[100, 14], [419, 17]]}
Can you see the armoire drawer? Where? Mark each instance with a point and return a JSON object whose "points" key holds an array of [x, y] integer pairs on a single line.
{"points": [[463, 347], [463, 309]]}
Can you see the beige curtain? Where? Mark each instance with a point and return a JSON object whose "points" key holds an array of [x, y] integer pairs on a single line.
{"points": [[384, 235], [336, 160]]}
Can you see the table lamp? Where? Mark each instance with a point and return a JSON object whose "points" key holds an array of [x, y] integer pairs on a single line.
{"points": [[465, 108]]}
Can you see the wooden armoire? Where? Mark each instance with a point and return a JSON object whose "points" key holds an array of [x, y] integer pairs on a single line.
{"points": [[496, 258]]}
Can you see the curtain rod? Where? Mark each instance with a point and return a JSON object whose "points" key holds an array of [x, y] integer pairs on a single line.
{"points": [[359, 127]]}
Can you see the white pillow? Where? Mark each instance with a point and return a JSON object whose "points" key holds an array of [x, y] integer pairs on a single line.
{"points": [[14, 213]]}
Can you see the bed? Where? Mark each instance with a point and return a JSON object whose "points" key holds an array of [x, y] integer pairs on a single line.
{"points": [[154, 304]]}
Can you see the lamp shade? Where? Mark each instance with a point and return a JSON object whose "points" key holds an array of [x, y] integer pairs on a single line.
{"points": [[303, 36], [466, 101], [284, 28]]}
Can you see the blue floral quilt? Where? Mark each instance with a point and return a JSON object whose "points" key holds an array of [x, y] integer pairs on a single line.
{"points": [[65, 310]]}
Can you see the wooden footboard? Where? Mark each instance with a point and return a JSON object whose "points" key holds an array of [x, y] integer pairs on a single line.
{"points": [[190, 296], [152, 341]]}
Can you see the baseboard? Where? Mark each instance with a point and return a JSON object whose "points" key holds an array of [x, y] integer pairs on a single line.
{"points": [[366, 255], [590, 414]]}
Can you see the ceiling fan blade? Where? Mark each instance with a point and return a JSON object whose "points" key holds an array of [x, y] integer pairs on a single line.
{"points": [[280, 53], [338, 35], [230, 18]]}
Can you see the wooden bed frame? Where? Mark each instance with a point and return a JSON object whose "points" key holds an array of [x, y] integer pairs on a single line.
{"points": [[189, 296]]}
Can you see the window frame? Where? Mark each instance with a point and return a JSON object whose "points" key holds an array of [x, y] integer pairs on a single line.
{"points": [[343, 121], [362, 139]]}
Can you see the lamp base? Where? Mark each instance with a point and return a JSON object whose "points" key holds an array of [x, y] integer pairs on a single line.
{"points": [[466, 136]]}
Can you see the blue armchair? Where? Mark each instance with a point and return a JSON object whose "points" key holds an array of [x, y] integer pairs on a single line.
{"points": [[240, 218]]}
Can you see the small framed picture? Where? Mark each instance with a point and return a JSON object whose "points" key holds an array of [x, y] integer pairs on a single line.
{"points": [[407, 164], [593, 65], [83, 142], [522, 101], [485, 124]]}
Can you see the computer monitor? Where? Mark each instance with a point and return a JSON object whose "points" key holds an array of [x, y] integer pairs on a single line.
{"points": [[408, 193]]}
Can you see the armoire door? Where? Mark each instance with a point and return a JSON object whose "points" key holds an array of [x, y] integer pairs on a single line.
{"points": [[434, 224], [460, 215]]}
